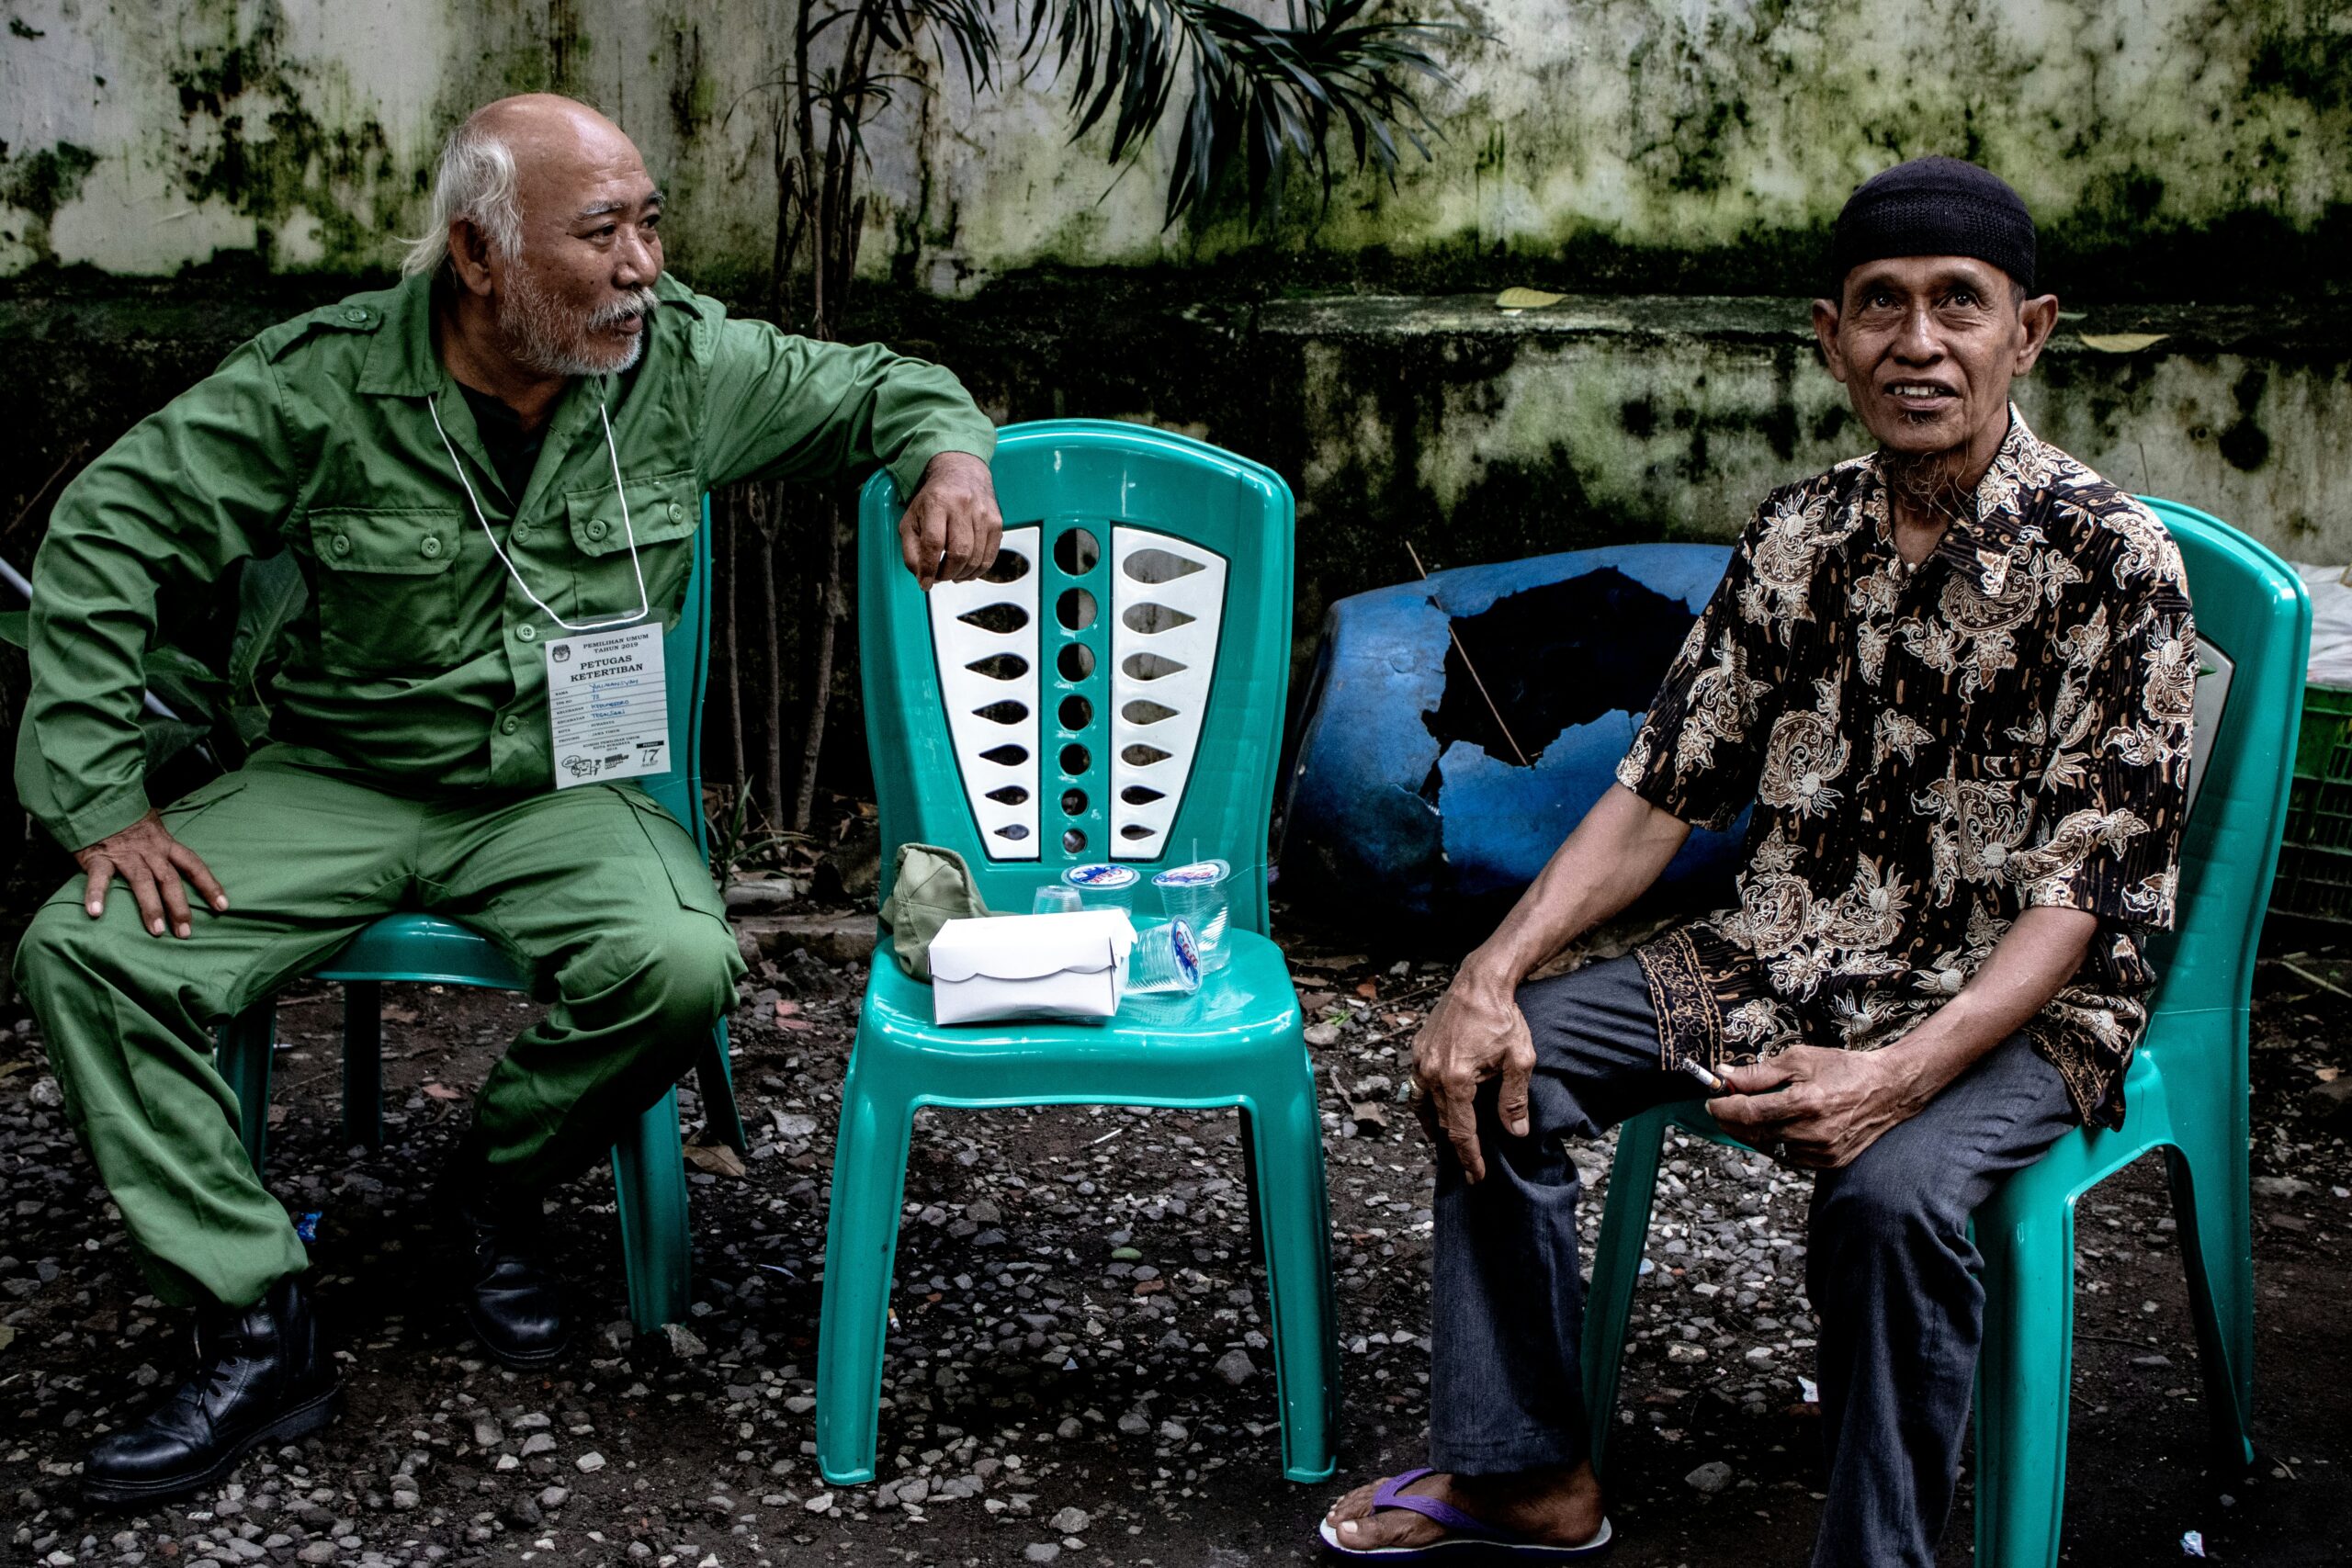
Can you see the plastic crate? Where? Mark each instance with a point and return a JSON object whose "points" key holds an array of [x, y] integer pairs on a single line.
{"points": [[2315, 856]]}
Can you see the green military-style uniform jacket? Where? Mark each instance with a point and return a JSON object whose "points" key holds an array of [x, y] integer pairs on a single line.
{"points": [[418, 656]]}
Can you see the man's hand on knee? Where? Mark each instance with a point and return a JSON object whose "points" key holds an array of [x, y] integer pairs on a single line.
{"points": [[1812, 1107], [1474, 1034], [146, 856], [952, 528]]}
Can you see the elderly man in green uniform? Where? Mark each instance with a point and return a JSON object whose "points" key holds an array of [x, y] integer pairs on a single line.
{"points": [[488, 471]]}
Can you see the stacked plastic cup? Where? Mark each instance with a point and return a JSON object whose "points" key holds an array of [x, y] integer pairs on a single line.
{"points": [[1054, 898], [1200, 894]]}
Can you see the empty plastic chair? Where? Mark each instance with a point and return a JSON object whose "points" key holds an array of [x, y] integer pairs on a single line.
{"points": [[1111, 691]]}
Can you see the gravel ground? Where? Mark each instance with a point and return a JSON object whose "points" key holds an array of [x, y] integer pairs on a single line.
{"points": [[1079, 1368]]}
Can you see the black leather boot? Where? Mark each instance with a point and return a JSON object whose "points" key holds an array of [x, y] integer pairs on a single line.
{"points": [[261, 1376], [514, 1301]]}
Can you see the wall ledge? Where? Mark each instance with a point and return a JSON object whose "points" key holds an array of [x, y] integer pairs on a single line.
{"points": [[2298, 332]]}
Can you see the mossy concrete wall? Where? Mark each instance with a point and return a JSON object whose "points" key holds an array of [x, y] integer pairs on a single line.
{"points": [[1699, 145], [1482, 434], [177, 174]]}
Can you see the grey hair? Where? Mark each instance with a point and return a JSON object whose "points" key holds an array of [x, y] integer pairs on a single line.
{"points": [[475, 181]]}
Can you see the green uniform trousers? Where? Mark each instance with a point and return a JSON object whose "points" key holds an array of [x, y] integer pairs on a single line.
{"points": [[596, 892]]}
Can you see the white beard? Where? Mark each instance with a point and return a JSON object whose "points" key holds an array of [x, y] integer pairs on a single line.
{"points": [[540, 334]]}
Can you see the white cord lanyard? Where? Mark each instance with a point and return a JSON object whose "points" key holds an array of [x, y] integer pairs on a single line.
{"points": [[644, 605]]}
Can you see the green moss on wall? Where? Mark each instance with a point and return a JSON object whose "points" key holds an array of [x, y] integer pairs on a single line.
{"points": [[38, 183], [254, 144]]}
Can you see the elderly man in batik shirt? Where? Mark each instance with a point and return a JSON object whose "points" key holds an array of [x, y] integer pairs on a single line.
{"points": [[1952, 678]]}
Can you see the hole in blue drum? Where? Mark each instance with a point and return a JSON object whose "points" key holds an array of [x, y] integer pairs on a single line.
{"points": [[1014, 830], [1075, 609], [1074, 760], [1005, 712], [1141, 794], [1131, 831], [1074, 842], [1073, 803], [1142, 756], [1076, 711], [1011, 756], [1145, 711], [1001, 619], [1010, 566], [1011, 794], [1076, 552], [1004, 666], [1076, 662]]}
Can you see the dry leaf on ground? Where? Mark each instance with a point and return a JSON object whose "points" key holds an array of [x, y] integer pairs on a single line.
{"points": [[1526, 299], [443, 1091], [2123, 343], [716, 1158]]}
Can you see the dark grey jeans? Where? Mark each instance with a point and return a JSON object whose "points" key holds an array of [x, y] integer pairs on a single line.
{"points": [[1889, 1268]]}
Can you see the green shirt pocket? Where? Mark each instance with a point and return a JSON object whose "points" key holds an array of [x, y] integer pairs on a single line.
{"points": [[388, 599], [662, 514]]}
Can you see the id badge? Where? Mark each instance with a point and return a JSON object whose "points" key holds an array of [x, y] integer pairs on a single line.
{"points": [[609, 703]]}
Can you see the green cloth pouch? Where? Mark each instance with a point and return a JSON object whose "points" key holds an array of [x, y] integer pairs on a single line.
{"points": [[929, 887]]}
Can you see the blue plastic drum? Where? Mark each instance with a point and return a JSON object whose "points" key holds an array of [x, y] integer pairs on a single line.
{"points": [[1404, 797]]}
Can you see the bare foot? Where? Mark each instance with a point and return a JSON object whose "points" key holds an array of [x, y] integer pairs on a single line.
{"points": [[1557, 1507]]}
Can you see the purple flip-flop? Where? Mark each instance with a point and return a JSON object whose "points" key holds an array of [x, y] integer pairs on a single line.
{"points": [[1471, 1539]]}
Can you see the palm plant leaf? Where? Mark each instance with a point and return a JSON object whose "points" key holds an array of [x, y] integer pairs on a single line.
{"points": [[1255, 95]]}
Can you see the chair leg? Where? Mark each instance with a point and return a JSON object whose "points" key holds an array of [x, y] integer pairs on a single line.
{"points": [[363, 1064], [861, 1238], [717, 1082], [242, 1049], [2208, 1200], [1295, 1223], [657, 1247], [2023, 1379], [1616, 1269]]}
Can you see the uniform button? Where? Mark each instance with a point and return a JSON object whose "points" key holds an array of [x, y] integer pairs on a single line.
{"points": [[509, 724], [596, 528], [343, 544], [520, 534], [355, 313], [527, 632], [432, 546], [677, 513]]}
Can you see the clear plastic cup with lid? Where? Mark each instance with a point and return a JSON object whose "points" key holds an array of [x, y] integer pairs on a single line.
{"points": [[1165, 962], [1103, 886], [1200, 894]]}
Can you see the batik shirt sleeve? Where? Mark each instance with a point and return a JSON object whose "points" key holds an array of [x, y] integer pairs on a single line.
{"points": [[2115, 790], [1700, 746]]}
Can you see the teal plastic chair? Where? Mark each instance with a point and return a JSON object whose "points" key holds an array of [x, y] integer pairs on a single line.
{"points": [[1112, 690], [2185, 1092], [648, 1166]]}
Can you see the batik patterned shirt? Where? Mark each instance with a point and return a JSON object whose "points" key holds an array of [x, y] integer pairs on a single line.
{"points": [[1929, 750]]}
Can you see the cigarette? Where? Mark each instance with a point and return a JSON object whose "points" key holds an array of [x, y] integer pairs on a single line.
{"points": [[1703, 1076]]}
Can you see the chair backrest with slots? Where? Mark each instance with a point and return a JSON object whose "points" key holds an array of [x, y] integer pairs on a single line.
{"points": [[2253, 622], [1112, 690]]}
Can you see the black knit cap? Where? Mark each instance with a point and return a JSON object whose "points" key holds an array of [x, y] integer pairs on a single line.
{"points": [[1935, 206]]}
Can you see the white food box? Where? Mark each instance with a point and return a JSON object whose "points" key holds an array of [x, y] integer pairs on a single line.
{"points": [[1011, 966]]}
